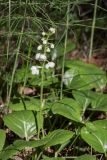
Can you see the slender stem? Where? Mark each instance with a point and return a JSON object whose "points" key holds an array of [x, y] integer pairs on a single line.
{"points": [[41, 91], [8, 38], [65, 44], [39, 156], [61, 148], [105, 156], [9, 29], [93, 28], [41, 100], [27, 65], [16, 59]]}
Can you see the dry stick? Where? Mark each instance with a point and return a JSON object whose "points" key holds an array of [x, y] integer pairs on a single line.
{"points": [[93, 28]]}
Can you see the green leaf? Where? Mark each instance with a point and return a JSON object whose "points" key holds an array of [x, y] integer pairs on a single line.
{"points": [[99, 103], [19, 145], [86, 157], [8, 152], [2, 138], [56, 137], [68, 108], [83, 98], [95, 136], [81, 83], [39, 121], [101, 123], [29, 104], [59, 136], [22, 123], [87, 76]]}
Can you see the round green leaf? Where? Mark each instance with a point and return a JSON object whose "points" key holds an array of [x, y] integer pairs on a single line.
{"points": [[87, 76], [68, 108], [101, 123], [82, 97], [99, 102], [59, 136], [95, 136], [29, 104], [22, 123]]}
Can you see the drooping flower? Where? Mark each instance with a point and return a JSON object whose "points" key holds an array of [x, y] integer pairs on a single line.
{"points": [[52, 30], [35, 70], [52, 45], [54, 55], [50, 65], [40, 57], [39, 47], [48, 49], [43, 57], [44, 41], [43, 33]]}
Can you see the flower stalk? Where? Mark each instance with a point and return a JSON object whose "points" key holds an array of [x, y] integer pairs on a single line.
{"points": [[44, 48]]}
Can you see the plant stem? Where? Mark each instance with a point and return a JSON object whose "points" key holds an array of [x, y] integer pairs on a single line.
{"points": [[93, 28], [41, 98], [41, 91], [39, 156], [105, 156], [8, 38], [27, 65], [65, 44], [16, 59]]}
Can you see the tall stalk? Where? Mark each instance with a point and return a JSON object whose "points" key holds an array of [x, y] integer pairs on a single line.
{"points": [[93, 28], [16, 59], [65, 45]]}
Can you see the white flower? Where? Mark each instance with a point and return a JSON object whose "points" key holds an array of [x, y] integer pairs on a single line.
{"points": [[43, 57], [68, 76], [37, 56], [54, 56], [52, 45], [48, 50], [52, 30], [40, 57], [44, 41], [35, 70], [39, 47], [50, 65], [43, 33]]}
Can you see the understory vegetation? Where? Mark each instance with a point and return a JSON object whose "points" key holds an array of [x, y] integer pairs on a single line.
{"points": [[53, 80]]}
